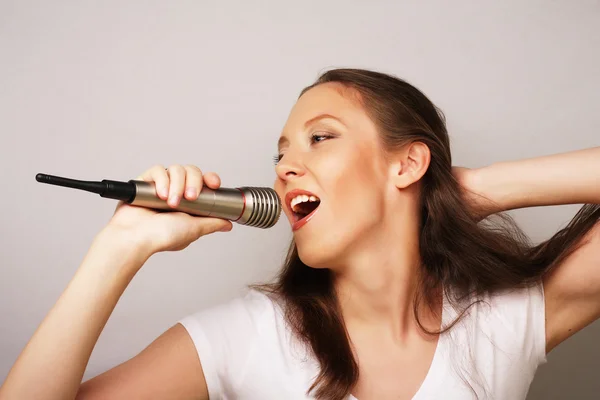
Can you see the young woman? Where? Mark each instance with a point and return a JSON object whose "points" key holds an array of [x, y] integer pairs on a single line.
{"points": [[397, 284]]}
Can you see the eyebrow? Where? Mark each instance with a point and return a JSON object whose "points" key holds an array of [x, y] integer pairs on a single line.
{"points": [[283, 140]]}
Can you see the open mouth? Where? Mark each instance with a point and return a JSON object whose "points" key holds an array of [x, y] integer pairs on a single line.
{"points": [[302, 205]]}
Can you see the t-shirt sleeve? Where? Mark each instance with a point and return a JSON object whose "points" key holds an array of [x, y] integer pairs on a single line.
{"points": [[224, 337], [523, 312]]}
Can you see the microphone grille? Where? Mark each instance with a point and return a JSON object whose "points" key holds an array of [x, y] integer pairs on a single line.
{"points": [[265, 204]]}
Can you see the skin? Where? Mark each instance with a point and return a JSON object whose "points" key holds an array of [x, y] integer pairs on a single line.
{"points": [[351, 177]]}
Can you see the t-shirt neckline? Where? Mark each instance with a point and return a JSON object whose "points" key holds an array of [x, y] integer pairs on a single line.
{"points": [[435, 362]]}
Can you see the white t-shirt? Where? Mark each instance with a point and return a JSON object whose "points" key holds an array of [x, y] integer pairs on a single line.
{"points": [[247, 351]]}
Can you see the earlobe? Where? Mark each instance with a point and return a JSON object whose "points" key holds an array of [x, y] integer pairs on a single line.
{"points": [[412, 164]]}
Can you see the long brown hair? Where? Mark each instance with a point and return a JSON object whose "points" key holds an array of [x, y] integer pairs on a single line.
{"points": [[457, 250]]}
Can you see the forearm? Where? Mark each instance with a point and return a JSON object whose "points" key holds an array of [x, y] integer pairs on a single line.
{"points": [[52, 364], [567, 178]]}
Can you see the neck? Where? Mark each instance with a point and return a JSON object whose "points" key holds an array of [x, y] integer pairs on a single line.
{"points": [[377, 284]]}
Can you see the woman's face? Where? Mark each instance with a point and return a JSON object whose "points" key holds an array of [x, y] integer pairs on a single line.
{"points": [[330, 149]]}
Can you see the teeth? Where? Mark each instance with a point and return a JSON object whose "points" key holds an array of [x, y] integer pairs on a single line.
{"points": [[302, 198]]}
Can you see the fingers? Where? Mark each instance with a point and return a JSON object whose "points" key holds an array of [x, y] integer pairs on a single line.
{"points": [[159, 176], [193, 182], [184, 181], [212, 180], [205, 226], [178, 181], [176, 184]]}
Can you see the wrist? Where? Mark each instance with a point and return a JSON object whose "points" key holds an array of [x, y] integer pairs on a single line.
{"points": [[486, 197], [128, 252]]}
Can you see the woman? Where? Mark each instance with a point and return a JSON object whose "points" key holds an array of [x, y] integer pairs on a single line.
{"points": [[396, 284]]}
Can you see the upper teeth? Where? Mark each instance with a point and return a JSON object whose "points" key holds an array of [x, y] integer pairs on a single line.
{"points": [[301, 199]]}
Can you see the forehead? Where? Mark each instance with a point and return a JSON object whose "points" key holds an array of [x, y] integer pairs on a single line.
{"points": [[328, 98]]}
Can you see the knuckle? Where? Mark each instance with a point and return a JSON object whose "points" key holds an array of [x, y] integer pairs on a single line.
{"points": [[194, 177], [193, 168], [177, 171]]}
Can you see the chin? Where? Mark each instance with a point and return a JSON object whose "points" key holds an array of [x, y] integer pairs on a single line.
{"points": [[320, 255]]}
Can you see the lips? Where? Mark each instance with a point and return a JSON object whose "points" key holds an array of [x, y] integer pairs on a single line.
{"points": [[301, 216]]}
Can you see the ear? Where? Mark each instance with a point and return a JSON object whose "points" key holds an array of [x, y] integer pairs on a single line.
{"points": [[411, 164]]}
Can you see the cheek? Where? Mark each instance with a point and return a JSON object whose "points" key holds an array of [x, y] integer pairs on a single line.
{"points": [[351, 177], [356, 190]]}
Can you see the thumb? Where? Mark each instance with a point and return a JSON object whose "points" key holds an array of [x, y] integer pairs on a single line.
{"points": [[210, 225]]}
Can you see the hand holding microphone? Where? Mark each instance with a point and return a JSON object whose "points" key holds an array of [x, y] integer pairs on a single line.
{"points": [[174, 231], [205, 207]]}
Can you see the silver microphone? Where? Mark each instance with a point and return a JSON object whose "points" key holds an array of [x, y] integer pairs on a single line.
{"points": [[259, 207]]}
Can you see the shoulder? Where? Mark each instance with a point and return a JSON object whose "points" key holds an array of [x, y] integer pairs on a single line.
{"points": [[509, 323], [243, 311], [237, 322], [521, 310], [226, 336], [500, 339]]}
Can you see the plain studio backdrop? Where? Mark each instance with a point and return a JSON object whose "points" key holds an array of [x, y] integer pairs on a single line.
{"points": [[104, 90]]}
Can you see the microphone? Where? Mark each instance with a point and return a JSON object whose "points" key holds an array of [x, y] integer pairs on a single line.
{"points": [[259, 207]]}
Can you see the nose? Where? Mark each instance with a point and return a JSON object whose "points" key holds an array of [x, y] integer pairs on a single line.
{"points": [[289, 167]]}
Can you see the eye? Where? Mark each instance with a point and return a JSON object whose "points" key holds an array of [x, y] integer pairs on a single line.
{"points": [[316, 138]]}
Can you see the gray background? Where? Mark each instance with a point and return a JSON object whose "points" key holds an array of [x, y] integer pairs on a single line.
{"points": [[104, 90]]}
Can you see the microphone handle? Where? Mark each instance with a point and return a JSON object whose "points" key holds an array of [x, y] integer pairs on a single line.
{"points": [[223, 203]]}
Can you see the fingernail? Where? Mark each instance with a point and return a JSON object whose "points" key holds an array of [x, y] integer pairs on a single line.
{"points": [[226, 228], [164, 192], [191, 193], [174, 200]]}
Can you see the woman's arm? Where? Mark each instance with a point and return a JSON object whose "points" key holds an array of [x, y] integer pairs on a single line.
{"points": [[52, 364], [572, 289], [169, 368], [566, 178]]}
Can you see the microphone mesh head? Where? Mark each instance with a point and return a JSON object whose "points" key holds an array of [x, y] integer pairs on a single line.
{"points": [[266, 206]]}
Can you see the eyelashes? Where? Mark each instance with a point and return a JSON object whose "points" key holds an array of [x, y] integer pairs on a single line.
{"points": [[313, 140]]}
